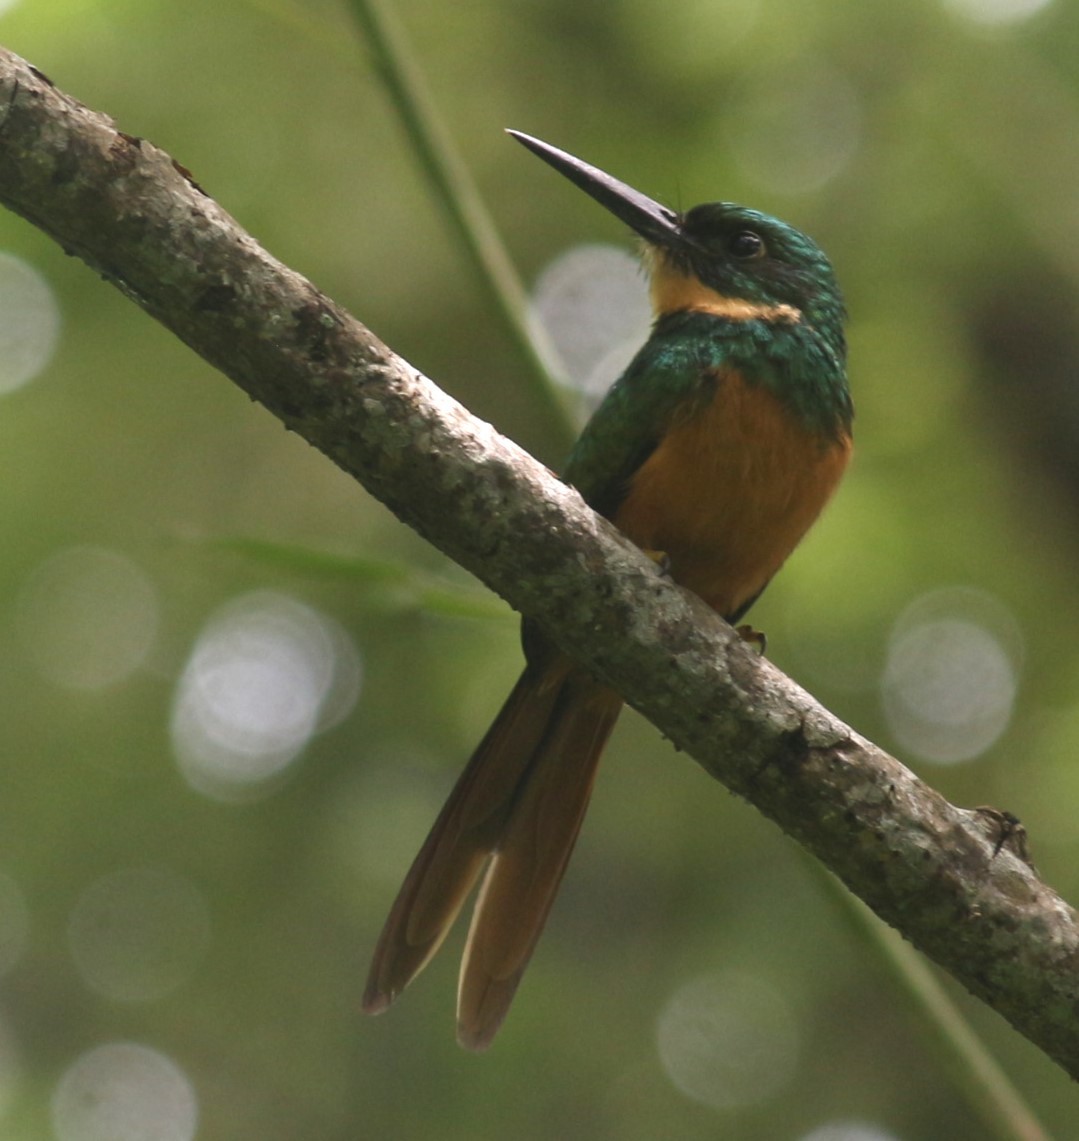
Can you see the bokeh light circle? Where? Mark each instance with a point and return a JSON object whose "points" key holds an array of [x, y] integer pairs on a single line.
{"points": [[88, 617], [11, 1072], [951, 676], [29, 321], [795, 131], [997, 13], [266, 674], [124, 1091], [592, 301], [728, 1040], [849, 1131], [137, 934], [14, 923]]}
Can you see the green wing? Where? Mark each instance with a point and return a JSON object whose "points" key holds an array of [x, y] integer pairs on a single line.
{"points": [[679, 363], [673, 366]]}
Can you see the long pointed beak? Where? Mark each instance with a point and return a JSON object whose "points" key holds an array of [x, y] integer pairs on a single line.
{"points": [[655, 223]]}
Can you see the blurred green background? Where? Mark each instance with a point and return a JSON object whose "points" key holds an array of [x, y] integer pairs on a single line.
{"points": [[234, 689]]}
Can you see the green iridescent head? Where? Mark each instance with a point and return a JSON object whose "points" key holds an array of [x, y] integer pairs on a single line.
{"points": [[718, 257]]}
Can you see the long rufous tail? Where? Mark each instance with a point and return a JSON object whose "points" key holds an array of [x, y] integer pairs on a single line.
{"points": [[518, 804]]}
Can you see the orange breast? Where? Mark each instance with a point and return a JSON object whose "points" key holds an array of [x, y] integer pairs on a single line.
{"points": [[730, 491]]}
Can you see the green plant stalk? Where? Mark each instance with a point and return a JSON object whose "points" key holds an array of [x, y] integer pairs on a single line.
{"points": [[300, 20], [403, 587], [987, 1088], [471, 223]]}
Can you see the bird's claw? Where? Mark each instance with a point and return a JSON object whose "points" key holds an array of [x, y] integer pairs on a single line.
{"points": [[754, 638], [1006, 831], [662, 561]]}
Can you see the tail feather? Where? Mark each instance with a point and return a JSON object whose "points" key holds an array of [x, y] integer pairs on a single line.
{"points": [[465, 833], [519, 804], [523, 878]]}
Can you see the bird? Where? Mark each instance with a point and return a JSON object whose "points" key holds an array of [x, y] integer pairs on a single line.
{"points": [[715, 452]]}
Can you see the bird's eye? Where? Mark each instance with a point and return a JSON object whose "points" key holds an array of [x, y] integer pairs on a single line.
{"points": [[747, 245]]}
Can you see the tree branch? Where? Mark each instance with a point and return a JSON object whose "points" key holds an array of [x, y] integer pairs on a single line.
{"points": [[924, 866]]}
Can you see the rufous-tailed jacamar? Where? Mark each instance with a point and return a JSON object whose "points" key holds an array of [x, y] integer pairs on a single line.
{"points": [[716, 450]]}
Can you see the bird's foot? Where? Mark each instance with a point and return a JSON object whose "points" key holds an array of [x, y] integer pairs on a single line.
{"points": [[753, 638], [662, 561], [1006, 831]]}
